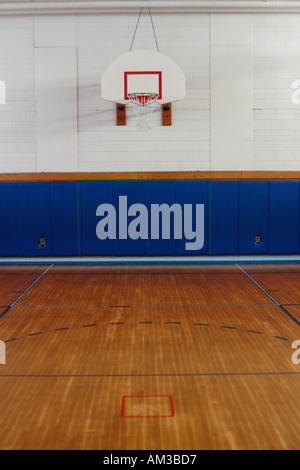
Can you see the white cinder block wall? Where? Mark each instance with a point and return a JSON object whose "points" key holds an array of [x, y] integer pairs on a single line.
{"points": [[237, 114], [276, 65], [17, 116]]}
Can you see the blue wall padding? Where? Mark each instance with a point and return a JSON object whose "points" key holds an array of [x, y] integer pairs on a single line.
{"points": [[134, 190], [253, 217], [224, 217], [65, 219], [65, 215], [9, 220], [35, 219], [193, 192], [283, 217], [159, 192], [95, 193]]}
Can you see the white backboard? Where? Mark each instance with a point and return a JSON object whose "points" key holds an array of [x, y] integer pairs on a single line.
{"points": [[143, 71]]}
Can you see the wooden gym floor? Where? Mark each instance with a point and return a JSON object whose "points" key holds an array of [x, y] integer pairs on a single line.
{"points": [[150, 357]]}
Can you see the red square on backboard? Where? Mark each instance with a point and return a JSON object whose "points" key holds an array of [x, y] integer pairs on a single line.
{"points": [[136, 73], [147, 406]]}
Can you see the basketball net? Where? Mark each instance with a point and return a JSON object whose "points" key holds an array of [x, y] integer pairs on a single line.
{"points": [[143, 109]]}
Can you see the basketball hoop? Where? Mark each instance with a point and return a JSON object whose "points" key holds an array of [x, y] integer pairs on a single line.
{"points": [[143, 110]]}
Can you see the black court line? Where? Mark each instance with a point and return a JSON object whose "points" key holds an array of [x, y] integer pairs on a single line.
{"points": [[229, 374], [142, 306], [142, 274], [270, 297], [138, 273], [147, 322], [234, 273], [24, 292], [289, 314]]}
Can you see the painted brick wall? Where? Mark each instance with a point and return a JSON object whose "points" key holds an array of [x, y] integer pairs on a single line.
{"points": [[276, 65], [17, 116], [187, 39]]}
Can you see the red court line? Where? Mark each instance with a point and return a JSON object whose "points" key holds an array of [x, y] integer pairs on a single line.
{"points": [[159, 74]]}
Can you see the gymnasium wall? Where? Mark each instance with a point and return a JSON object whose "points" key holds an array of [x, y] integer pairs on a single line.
{"points": [[64, 214], [237, 114]]}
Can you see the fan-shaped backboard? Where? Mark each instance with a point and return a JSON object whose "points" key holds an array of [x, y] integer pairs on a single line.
{"points": [[143, 71]]}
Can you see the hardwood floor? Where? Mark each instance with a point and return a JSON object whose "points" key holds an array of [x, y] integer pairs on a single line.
{"points": [[148, 357]]}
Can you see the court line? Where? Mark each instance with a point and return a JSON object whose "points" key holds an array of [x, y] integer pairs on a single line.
{"points": [[23, 293], [168, 322], [115, 273], [142, 306], [228, 374], [270, 297], [106, 273]]}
